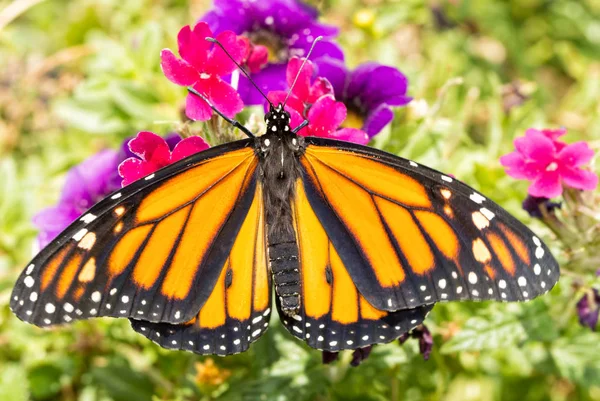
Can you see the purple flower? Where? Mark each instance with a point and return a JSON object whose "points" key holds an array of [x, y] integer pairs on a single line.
{"points": [[588, 308], [286, 28], [369, 92], [86, 183], [533, 204], [422, 334]]}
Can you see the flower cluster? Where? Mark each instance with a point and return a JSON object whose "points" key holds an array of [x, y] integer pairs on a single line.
{"points": [[554, 169], [549, 163]]}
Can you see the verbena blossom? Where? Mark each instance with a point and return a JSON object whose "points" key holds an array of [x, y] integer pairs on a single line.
{"points": [[549, 163], [369, 92], [314, 101], [588, 309], [152, 153], [202, 66], [286, 28]]}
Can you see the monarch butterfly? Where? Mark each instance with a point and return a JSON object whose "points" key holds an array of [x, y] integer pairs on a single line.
{"points": [[358, 244]]}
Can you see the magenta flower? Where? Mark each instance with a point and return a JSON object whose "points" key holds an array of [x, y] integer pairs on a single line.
{"points": [[258, 57], [202, 66], [549, 163], [153, 153], [287, 28], [304, 93], [315, 101], [369, 92]]}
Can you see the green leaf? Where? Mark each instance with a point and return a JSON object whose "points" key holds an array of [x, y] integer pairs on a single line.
{"points": [[578, 359], [481, 334]]}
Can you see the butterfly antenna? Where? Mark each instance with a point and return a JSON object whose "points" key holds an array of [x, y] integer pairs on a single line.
{"points": [[235, 123], [216, 42], [318, 38]]}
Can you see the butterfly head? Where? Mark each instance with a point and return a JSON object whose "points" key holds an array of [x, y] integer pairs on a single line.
{"points": [[278, 120]]}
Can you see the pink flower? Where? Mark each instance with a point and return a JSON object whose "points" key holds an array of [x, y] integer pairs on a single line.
{"points": [[153, 153], [202, 65], [548, 163], [316, 103], [304, 94], [257, 58]]}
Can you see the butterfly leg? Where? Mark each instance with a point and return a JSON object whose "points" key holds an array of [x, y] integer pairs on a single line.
{"points": [[298, 128], [235, 123]]}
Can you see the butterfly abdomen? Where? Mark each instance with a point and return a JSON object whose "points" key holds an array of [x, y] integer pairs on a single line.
{"points": [[283, 259]]}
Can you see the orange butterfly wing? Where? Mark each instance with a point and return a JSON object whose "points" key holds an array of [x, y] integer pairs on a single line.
{"points": [[410, 236], [156, 250]]}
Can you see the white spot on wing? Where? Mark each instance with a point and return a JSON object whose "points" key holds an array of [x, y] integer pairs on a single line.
{"points": [[487, 213], [88, 218], [79, 234]]}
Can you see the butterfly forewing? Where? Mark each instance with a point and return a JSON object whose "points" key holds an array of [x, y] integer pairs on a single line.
{"points": [[151, 251], [410, 235]]}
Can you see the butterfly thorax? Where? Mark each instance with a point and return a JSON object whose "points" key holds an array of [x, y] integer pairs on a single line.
{"points": [[278, 151]]}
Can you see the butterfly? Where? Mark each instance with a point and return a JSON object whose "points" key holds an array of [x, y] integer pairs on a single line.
{"points": [[357, 245]]}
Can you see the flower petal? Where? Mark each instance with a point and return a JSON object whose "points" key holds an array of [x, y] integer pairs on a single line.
{"points": [[258, 57], [326, 115], [223, 97], [552, 134], [377, 120], [374, 84], [150, 147], [301, 88], [351, 135], [176, 70], [131, 170], [579, 178], [196, 108], [319, 88], [188, 147], [576, 154], [517, 167], [336, 73], [218, 62], [536, 147], [546, 185], [193, 46]]}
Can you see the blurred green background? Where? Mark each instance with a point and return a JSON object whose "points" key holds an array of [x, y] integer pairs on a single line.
{"points": [[81, 75]]}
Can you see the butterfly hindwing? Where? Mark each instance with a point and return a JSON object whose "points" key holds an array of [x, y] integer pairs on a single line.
{"points": [[410, 235], [334, 315], [237, 311], [152, 251]]}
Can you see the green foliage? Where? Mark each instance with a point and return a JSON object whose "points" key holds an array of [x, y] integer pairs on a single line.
{"points": [[78, 76]]}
